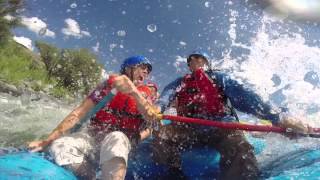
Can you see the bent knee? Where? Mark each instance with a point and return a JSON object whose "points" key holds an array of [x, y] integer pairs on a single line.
{"points": [[114, 169], [65, 152], [115, 144]]}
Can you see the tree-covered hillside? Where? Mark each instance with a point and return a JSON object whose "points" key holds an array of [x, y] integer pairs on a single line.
{"points": [[55, 71]]}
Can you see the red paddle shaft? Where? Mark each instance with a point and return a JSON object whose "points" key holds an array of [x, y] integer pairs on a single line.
{"points": [[230, 125]]}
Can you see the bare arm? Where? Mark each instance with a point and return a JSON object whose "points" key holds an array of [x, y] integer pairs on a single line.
{"points": [[149, 111], [72, 119], [124, 84], [67, 123]]}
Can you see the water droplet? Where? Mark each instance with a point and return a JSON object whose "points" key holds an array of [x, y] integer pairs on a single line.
{"points": [[73, 5], [207, 4], [244, 156], [152, 27], [312, 78], [112, 46], [289, 130], [182, 43], [42, 31], [121, 33]]}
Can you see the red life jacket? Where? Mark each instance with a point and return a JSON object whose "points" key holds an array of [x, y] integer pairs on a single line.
{"points": [[199, 95], [121, 113]]}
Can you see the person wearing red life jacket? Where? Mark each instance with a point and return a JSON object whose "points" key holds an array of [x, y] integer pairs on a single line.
{"points": [[112, 132], [212, 95]]}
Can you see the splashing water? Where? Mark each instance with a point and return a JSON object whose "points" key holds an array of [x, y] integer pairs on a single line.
{"points": [[285, 57], [152, 28], [121, 33], [280, 66], [73, 5], [283, 69], [26, 118], [207, 4]]}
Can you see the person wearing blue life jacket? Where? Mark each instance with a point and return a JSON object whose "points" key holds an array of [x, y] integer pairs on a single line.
{"points": [[113, 131], [213, 95]]}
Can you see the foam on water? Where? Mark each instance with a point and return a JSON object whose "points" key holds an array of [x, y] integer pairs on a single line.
{"points": [[277, 66], [24, 120]]}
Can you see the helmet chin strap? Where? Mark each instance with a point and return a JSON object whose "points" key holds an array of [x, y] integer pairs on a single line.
{"points": [[131, 74]]}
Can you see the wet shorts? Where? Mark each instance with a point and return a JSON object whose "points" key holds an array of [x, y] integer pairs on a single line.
{"points": [[75, 148]]}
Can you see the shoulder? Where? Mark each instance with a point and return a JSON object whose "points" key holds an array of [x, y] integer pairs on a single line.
{"points": [[219, 76], [173, 84], [99, 92]]}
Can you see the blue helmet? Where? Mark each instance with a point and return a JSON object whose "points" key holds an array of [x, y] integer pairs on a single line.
{"points": [[198, 53], [133, 61]]}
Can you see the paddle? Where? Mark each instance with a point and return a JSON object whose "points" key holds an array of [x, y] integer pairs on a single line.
{"points": [[237, 126], [107, 98], [225, 125]]}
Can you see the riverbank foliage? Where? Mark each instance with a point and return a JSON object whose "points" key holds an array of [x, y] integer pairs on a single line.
{"points": [[52, 70]]}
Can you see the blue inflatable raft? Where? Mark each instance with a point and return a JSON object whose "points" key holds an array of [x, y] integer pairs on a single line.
{"points": [[197, 164]]}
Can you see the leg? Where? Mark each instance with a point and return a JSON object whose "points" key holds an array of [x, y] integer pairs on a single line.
{"points": [[71, 151], [114, 169], [83, 170], [237, 156], [114, 153], [168, 152], [165, 146]]}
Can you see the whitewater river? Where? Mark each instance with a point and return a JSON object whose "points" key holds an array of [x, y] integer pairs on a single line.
{"points": [[25, 118], [279, 59]]}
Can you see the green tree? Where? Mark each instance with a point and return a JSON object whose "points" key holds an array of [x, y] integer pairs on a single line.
{"points": [[50, 55], [79, 70], [74, 69], [9, 11]]}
